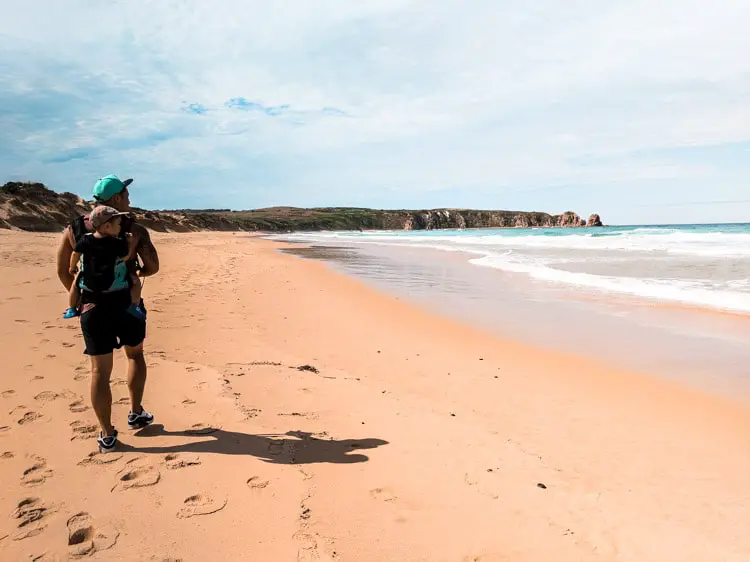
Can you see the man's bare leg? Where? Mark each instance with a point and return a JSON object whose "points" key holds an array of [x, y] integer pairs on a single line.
{"points": [[136, 376], [101, 394]]}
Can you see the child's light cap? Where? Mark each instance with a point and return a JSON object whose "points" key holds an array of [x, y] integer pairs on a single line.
{"points": [[102, 214]]}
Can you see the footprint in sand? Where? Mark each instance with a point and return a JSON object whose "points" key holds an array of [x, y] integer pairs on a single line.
{"points": [[4, 428], [78, 407], [28, 511], [44, 557], [100, 458], [201, 429], [48, 395], [250, 413], [8, 393], [85, 538], [137, 477], [30, 514], [312, 548], [7, 455], [37, 378], [29, 417], [123, 400], [256, 483], [37, 473], [174, 461], [81, 372], [188, 401], [68, 344], [276, 447], [82, 430], [201, 504], [383, 494]]}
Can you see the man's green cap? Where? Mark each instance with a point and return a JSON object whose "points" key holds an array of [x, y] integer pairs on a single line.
{"points": [[109, 186]]}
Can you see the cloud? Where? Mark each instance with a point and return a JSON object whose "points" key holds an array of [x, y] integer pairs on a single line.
{"points": [[196, 108], [67, 157], [587, 105], [245, 105]]}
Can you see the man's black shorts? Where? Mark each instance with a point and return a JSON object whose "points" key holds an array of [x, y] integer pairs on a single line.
{"points": [[107, 325]]}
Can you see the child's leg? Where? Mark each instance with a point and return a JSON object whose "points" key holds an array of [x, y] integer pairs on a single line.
{"points": [[74, 300], [74, 295], [135, 298]]}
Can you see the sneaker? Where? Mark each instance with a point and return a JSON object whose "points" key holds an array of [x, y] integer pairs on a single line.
{"points": [[108, 443], [137, 421]]}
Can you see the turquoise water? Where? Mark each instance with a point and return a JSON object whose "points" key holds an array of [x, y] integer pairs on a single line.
{"points": [[656, 229], [698, 265]]}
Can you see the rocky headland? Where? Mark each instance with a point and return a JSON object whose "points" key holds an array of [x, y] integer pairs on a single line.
{"points": [[34, 207]]}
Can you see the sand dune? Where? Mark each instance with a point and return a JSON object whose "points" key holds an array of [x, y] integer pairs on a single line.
{"points": [[302, 416]]}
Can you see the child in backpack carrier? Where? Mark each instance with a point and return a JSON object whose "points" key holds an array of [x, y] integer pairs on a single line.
{"points": [[103, 253]]}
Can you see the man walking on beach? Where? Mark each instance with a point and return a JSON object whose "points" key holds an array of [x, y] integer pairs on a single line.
{"points": [[105, 322]]}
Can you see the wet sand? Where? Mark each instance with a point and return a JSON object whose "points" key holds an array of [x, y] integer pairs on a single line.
{"points": [[704, 348], [301, 415]]}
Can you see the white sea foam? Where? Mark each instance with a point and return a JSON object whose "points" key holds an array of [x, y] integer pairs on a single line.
{"points": [[640, 240], [691, 292], [692, 261]]}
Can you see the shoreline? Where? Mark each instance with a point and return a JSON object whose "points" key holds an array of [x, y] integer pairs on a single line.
{"points": [[652, 338], [419, 438], [520, 348], [604, 296], [597, 293]]}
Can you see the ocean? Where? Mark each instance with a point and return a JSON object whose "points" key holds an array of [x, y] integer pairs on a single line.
{"points": [[670, 299]]}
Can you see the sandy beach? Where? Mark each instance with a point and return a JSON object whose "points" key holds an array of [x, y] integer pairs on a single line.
{"points": [[303, 416]]}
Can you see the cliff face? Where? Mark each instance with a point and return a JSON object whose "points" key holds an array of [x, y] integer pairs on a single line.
{"points": [[31, 206], [463, 218]]}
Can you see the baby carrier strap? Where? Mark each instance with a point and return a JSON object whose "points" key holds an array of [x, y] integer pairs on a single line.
{"points": [[78, 228]]}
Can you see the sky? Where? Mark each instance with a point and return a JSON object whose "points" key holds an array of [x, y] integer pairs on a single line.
{"points": [[638, 110]]}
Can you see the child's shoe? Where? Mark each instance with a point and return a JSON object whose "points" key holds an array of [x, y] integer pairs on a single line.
{"points": [[70, 313], [136, 311]]}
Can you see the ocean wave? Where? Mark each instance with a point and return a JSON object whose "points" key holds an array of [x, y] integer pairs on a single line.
{"points": [[684, 252], [691, 292], [640, 240]]}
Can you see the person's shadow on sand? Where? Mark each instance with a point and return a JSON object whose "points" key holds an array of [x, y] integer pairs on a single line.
{"points": [[303, 448]]}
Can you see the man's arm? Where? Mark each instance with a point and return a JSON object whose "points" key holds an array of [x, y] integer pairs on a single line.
{"points": [[146, 251], [64, 252]]}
